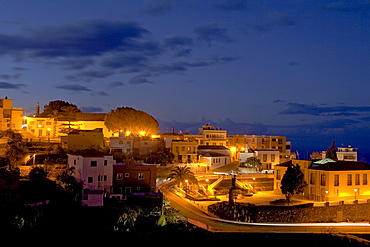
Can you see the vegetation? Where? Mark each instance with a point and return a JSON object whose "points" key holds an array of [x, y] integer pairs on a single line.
{"points": [[58, 106], [131, 122], [181, 174], [252, 162], [293, 182], [162, 157], [331, 153]]}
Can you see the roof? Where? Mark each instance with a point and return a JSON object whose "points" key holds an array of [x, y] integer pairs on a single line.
{"points": [[265, 149], [79, 116], [212, 147], [213, 154], [90, 153], [340, 166]]}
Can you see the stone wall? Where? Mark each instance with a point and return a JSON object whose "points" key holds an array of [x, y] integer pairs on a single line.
{"points": [[305, 213]]}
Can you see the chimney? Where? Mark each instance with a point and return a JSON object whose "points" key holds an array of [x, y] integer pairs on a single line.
{"points": [[37, 108]]}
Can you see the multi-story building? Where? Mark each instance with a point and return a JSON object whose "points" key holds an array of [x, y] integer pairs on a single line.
{"points": [[83, 139], [10, 117], [330, 180], [130, 178], [95, 170], [44, 127], [240, 143]]}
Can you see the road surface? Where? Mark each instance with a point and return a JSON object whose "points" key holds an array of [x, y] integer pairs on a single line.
{"points": [[198, 217]]}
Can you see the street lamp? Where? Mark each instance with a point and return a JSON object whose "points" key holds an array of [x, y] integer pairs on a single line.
{"points": [[355, 190], [326, 193]]}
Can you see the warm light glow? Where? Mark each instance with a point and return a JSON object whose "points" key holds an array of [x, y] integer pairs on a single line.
{"points": [[142, 133], [186, 181], [233, 149], [127, 133], [156, 136]]}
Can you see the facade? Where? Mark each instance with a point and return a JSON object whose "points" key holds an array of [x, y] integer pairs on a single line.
{"points": [[185, 151], [83, 139], [10, 117], [130, 178], [330, 180], [268, 157], [213, 156], [95, 170], [43, 127], [240, 143]]}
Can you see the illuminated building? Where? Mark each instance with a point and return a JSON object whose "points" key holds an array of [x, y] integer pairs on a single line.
{"points": [[83, 139], [330, 180], [344, 153], [10, 117]]}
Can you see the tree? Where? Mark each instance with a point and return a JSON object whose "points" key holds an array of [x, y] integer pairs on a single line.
{"points": [[131, 122], [69, 113], [315, 156], [253, 162], [69, 183], [15, 152], [181, 174], [37, 174], [293, 182], [331, 153], [57, 106], [163, 157]]}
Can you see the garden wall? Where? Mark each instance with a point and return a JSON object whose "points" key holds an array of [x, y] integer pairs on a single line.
{"points": [[305, 213]]}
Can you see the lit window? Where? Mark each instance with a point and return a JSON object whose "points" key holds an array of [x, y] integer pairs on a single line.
{"points": [[141, 176]]}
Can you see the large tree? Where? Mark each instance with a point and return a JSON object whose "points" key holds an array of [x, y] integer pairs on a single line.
{"points": [[57, 105], [293, 182], [129, 120]]}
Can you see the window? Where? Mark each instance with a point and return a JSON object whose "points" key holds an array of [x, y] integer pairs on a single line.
{"points": [[127, 175], [357, 179], [120, 142], [313, 178], [105, 162], [323, 180], [90, 179], [105, 178], [264, 158], [364, 179], [349, 179], [140, 176], [74, 162], [278, 174], [93, 163], [119, 176], [336, 180], [272, 157]]}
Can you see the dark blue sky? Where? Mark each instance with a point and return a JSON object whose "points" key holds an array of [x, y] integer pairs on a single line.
{"points": [[294, 68]]}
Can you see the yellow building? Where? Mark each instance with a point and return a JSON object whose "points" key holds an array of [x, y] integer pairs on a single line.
{"points": [[330, 180], [83, 139], [185, 151], [50, 128], [10, 117]]}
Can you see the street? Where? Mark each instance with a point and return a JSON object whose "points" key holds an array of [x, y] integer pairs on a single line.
{"points": [[197, 215]]}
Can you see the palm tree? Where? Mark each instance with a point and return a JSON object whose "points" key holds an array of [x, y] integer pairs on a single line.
{"points": [[70, 112], [181, 174]]}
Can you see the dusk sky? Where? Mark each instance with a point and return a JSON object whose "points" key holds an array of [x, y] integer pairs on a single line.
{"points": [[294, 68]]}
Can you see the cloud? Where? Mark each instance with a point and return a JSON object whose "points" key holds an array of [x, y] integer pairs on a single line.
{"points": [[232, 5], [89, 37], [91, 109], [88, 75], [179, 44], [211, 32], [7, 85], [73, 87], [348, 6], [141, 78], [116, 84], [314, 110], [156, 7]]}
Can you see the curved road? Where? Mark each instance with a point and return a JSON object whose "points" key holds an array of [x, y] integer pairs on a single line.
{"points": [[199, 218]]}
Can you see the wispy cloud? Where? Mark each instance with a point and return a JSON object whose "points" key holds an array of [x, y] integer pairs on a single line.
{"points": [[296, 108], [73, 87], [7, 85], [211, 32], [157, 7]]}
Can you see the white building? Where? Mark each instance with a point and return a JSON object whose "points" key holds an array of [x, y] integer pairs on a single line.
{"points": [[344, 153], [268, 157], [95, 170]]}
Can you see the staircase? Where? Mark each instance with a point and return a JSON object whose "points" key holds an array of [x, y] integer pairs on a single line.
{"points": [[214, 184]]}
